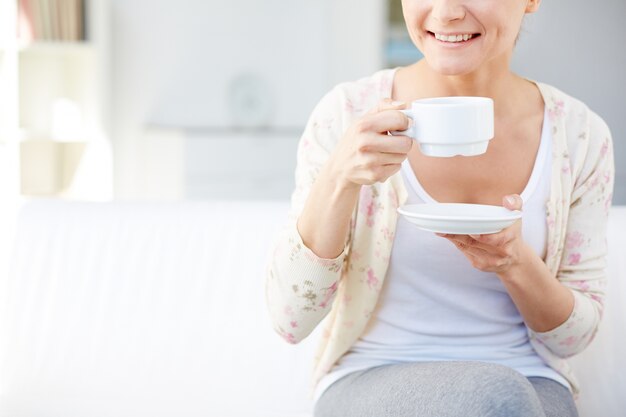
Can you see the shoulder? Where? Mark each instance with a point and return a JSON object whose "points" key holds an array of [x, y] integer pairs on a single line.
{"points": [[340, 106], [576, 116], [375, 86], [585, 135]]}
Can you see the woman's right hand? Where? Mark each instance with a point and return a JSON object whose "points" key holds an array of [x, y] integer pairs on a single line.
{"points": [[366, 154]]}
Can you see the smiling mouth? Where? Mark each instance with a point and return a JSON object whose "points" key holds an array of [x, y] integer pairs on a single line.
{"points": [[454, 38]]}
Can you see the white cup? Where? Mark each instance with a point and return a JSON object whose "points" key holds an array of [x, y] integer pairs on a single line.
{"points": [[449, 126]]}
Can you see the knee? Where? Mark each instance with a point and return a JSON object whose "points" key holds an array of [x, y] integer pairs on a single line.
{"points": [[502, 391]]}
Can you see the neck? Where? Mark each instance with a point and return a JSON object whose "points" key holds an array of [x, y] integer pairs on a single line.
{"points": [[494, 80]]}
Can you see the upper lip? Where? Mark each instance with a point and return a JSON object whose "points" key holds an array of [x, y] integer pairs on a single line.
{"points": [[469, 32]]}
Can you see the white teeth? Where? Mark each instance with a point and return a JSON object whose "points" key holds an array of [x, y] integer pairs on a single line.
{"points": [[454, 38]]}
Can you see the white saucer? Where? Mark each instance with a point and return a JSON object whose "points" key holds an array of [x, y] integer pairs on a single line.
{"points": [[460, 219]]}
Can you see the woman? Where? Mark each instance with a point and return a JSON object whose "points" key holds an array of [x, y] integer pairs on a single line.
{"points": [[419, 324]]}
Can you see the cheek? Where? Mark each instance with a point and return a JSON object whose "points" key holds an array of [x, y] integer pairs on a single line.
{"points": [[509, 27], [502, 40], [415, 13], [510, 32], [414, 25]]}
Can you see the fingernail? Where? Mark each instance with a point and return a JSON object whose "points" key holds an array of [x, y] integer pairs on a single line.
{"points": [[397, 103], [510, 200]]}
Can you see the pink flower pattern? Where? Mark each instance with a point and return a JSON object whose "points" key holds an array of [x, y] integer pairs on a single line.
{"points": [[556, 111], [367, 205], [574, 258], [580, 285], [328, 294], [574, 239], [569, 233], [289, 337], [372, 280], [597, 299], [605, 147], [387, 234], [568, 341]]}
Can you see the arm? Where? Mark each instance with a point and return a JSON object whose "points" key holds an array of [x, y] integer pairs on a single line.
{"points": [[306, 264], [563, 314], [583, 264], [300, 285], [542, 301]]}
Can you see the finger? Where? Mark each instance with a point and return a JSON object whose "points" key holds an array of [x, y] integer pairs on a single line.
{"points": [[478, 257], [512, 202], [371, 160], [392, 158], [495, 239], [388, 144], [477, 252], [463, 239], [470, 250], [468, 241], [387, 104], [384, 121], [380, 159]]}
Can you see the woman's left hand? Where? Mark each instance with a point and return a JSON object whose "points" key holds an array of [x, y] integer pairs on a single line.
{"points": [[496, 252]]}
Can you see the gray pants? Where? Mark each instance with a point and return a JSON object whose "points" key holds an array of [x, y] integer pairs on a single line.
{"points": [[444, 389]]}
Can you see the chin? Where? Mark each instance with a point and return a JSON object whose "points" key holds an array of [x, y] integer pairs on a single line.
{"points": [[451, 68]]}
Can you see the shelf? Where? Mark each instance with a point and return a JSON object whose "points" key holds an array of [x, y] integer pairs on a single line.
{"points": [[8, 95], [48, 167], [53, 109], [58, 87], [31, 135], [208, 132], [55, 48]]}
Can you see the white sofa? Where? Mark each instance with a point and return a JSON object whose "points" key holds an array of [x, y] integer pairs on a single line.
{"points": [[157, 309]]}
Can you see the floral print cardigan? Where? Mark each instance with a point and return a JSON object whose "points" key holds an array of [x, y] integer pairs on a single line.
{"points": [[302, 289]]}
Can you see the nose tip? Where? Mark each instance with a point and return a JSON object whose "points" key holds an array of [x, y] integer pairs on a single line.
{"points": [[447, 10]]}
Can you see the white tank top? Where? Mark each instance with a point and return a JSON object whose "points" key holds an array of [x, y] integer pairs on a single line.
{"points": [[434, 306]]}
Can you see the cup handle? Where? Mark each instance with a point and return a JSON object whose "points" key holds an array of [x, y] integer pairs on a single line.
{"points": [[409, 131]]}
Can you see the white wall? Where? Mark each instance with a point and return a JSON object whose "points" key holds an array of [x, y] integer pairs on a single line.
{"points": [[578, 46], [174, 62]]}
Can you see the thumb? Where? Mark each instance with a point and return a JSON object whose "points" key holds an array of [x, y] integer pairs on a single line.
{"points": [[512, 202]]}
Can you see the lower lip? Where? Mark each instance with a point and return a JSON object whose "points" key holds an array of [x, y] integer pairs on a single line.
{"points": [[453, 44]]}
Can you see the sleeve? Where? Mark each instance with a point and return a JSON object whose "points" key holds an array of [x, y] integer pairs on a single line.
{"points": [[300, 286], [583, 264]]}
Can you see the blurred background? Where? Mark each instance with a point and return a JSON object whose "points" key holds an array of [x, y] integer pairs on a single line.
{"points": [[200, 99], [136, 309]]}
